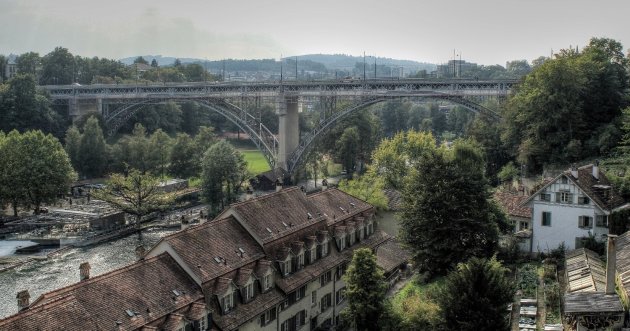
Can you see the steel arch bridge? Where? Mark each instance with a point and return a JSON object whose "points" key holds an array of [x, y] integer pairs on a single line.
{"points": [[118, 103]]}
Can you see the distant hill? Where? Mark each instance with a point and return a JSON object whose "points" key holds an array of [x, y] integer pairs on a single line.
{"points": [[321, 63], [348, 62]]}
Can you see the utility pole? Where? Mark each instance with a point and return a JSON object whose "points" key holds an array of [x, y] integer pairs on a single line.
{"points": [[363, 65], [223, 73], [296, 76], [280, 68], [375, 68]]}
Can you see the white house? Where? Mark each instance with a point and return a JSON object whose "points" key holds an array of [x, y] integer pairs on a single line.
{"points": [[573, 206]]}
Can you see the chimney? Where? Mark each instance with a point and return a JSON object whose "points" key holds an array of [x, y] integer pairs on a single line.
{"points": [[140, 252], [278, 185], [84, 271], [596, 169], [611, 265], [574, 171], [23, 300], [324, 184]]}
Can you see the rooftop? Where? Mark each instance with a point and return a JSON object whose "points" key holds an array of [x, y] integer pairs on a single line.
{"points": [[592, 302], [512, 204], [336, 205], [585, 271]]}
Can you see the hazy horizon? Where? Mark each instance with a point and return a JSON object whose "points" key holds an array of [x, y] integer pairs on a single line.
{"points": [[485, 32]]}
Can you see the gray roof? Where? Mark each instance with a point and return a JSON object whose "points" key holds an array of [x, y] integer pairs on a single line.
{"points": [[592, 302], [585, 271]]}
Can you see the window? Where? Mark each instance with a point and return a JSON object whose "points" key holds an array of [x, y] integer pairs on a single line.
{"points": [[300, 260], [359, 233], [313, 297], [248, 292], [324, 246], [285, 266], [267, 282], [300, 318], [523, 225], [564, 180], [326, 302], [370, 228], [341, 242], [325, 278], [268, 316], [227, 302], [583, 200], [341, 270], [313, 254], [545, 197], [585, 222], [300, 293], [546, 218], [564, 197], [601, 221], [340, 295]]}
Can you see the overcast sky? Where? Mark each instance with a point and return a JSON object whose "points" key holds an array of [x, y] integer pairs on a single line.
{"points": [[484, 31]]}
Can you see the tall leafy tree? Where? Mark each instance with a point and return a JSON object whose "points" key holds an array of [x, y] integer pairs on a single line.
{"points": [[184, 158], [368, 188], [475, 296], [28, 63], [137, 194], [35, 169], [223, 171], [365, 291], [92, 154], [160, 151], [72, 146], [59, 67], [348, 148], [446, 214]]}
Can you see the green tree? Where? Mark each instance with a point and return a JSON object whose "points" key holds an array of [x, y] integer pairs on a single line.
{"points": [[508, 173], [368, 188], [393, 157], [223, 171], [475, 296], [137, 194], [347, 149], [365, 291], [140, 59], [35, 169], [160, 151], [154, 63], [92, 154], [59, 67], [184, 161], [446, 214], [73, 143], [139, 150], [28, 63]]}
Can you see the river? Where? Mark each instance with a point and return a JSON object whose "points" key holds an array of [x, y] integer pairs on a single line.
{"points": [[42, 276]]}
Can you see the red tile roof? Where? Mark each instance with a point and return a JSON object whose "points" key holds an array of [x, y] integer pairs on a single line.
{"points": [[201, 245], [511, 203], [390, 255], [144, 288], [282, 212], [337, 205]]}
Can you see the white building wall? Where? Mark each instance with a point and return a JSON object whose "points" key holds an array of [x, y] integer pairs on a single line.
{"points": [[564, 220]]}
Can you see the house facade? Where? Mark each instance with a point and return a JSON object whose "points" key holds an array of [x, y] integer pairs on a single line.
{"points": [[275, 262], [570, 208]]}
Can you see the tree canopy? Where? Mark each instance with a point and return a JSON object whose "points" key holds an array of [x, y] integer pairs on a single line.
{"points": [[446, 213], [223, 171]]}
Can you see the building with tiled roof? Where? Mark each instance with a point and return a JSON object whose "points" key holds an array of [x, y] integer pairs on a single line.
{"points": [[270, 263], [573, 206]]}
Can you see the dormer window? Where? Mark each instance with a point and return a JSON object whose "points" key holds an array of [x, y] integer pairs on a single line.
{"points": [[248, 291], [313, 253], [227, 301], [267, 281], [324, 246], [351, 238], [285, 266], [300, 260], [341, 242]]}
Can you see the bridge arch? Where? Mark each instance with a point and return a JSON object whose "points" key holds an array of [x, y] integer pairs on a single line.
{"points": [[264, 140], [306, 142]]}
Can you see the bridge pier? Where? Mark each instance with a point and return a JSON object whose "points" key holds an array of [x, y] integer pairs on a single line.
{"points": [[288, 128], [80, 107]]}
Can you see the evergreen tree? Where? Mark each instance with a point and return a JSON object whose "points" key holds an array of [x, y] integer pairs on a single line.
{"points": [[365, 291], [154, 63], [73, 143], [446, 214], [92, 154], [475, 296], [223, 171]]}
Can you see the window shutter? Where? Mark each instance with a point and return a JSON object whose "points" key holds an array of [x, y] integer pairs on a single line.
{"points": [[581, 221], [558, 197]]}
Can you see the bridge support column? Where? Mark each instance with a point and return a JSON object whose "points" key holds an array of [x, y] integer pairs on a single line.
{"points": [[288, 128], [80, 107]]}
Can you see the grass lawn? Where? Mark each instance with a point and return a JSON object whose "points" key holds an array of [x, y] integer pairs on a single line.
{"points": [[256, 162]]}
